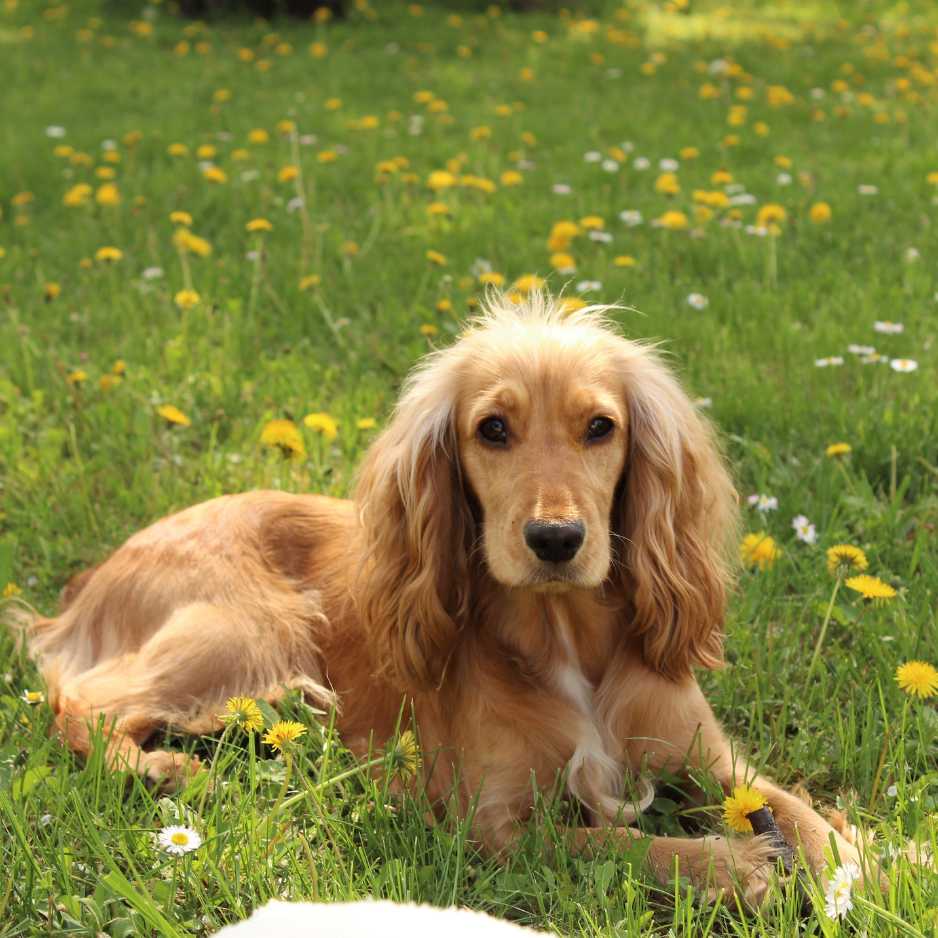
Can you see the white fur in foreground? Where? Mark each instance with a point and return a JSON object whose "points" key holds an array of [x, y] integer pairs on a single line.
{"points": [[366, 919]]}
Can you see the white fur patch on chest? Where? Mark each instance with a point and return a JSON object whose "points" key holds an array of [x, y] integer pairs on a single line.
{"points": [[594, 776]]}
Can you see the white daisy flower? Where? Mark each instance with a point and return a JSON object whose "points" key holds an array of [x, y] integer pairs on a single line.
{"points": [[744, 198], [892, 791], [804, 530], [152, 273], [830, 361], [295, 204], [763, 502], [838, 899], [631, 217], [55, 132], [757, 231], [308, 140], [703, 402], [668, 165], [783, 179], [626, 146], [865, 189], [718, 67], [697, 300], [610, 166], [855, 349], [249, 175], [734, 188], [480, 266], [108, 144], [178, 840], [887, 327], [818, 94], [253, 256], [641, 163], [588, 286], [32, 697], [604, 237], [592, 156], [912, 255], [903, 364], [415, 125], [561, 188]]}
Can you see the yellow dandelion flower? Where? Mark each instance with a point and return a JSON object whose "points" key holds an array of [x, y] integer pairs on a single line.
{"points": [[349, 248], [590, 223], [78, 195], [258, 135], [845, 558], [205, 152], [771, 214], [322, 423], [366, 423], [286, 127], [327, 156], [738, 807], [109, 382], [77, 377], [214, 174], [440, 179], [722, 177], [404, 758], [284, 435], [119, 367], [624, 260], [11, 590], [511, 177], [288, 173], [259, 224], [21, 199], [838, 449], [108, 255], [243, 712], [177, 149], [310, 280], [181, 218], [283, 733], [173, 415], [51, 290], [435, 257], [492, 278], [667, 184], [871, 587], [185, 240], [570, 304], [186, 299], [689, 153], [445, 305], [561, 261], [428, 329], [528, 283], [759, 550], [918, 679], [673, 221], [819, 213]]}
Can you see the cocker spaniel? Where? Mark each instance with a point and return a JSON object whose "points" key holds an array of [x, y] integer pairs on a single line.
{"points": [[536, 558]]}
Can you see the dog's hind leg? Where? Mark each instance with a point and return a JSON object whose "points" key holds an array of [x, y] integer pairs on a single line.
{"points": [[202, 655]]}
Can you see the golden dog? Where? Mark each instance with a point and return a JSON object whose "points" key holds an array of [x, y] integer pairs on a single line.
{"points": [[536, 558]]}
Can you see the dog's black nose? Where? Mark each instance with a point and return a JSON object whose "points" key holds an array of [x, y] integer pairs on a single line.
{"points": [[554, 541]]}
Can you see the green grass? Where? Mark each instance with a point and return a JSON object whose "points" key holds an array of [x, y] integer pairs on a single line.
{"points": [[81, 467]]}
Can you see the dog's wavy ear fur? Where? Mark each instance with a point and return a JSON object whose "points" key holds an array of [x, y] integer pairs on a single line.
{"points": [[414, 587], [678, 517]]}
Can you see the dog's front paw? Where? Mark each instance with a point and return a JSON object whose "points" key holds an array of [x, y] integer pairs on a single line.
{"points": [[745, 868]]}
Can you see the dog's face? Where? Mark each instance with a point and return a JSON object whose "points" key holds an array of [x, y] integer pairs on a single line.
{"points": [[542, 442]]}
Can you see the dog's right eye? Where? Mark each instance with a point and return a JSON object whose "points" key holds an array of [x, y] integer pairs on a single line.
{"points": [[494, 430]]}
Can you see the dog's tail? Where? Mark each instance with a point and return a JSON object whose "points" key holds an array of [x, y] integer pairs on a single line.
{"points": [[34, 632]]}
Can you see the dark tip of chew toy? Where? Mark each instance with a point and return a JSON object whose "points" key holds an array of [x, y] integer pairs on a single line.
{"points": [[763, 823]]}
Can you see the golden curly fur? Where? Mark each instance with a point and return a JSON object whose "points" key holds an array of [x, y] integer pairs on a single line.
{"points": [[428, 589]]}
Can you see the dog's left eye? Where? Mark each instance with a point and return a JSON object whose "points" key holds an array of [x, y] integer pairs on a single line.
{"points": [[599, 427]]}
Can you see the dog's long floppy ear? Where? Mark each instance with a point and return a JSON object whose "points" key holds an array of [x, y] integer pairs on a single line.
{"points": [[413, 592], [678, 517]]}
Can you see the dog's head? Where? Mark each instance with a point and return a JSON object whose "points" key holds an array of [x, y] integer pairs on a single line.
{"points": [[550, 454]]}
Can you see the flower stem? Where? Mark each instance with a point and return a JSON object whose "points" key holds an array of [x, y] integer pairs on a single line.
{"points": [[821, 635]]}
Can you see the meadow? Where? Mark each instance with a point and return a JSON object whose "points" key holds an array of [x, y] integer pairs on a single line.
{"points": [[222, 245]]}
